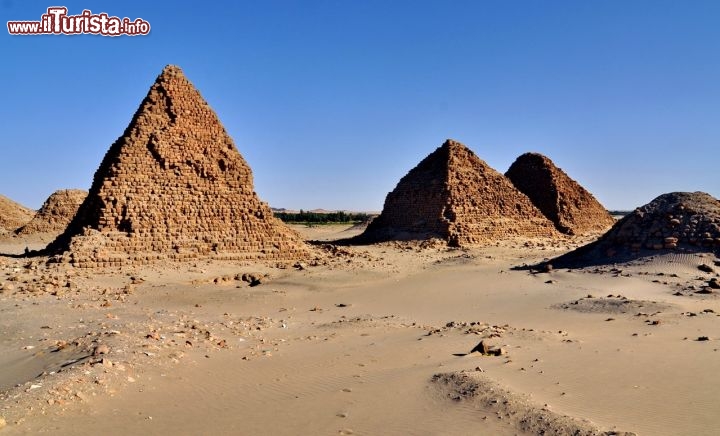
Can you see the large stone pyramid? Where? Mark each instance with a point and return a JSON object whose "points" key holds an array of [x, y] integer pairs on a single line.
{"points": [[572, 209], [13, 215], [174, 186], [453, 195], [678, 221], [56, 213]]}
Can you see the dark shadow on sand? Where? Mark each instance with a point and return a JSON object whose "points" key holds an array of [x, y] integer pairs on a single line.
{"points": [[31, 254]]}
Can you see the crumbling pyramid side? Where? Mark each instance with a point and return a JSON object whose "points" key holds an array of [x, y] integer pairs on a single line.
{"points": [[414, 209], [13, 215], [56, 213], [561, 199], [174, 186]]}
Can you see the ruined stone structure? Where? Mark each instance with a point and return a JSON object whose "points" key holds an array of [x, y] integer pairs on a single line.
{"points": [[13, 215], [56, 213], [174, 186], [678, 221], [572, 209], [452, 194]]}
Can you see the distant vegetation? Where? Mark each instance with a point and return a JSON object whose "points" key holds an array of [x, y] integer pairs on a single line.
{"points": [[619, 212], [322, 218]]}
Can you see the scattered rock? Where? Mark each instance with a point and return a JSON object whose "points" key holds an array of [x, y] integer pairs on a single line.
{"points": [[481, 348], [706, 268], [101, 349], [488, 350]]}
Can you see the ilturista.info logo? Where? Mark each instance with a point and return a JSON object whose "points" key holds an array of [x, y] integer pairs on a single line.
{"points": [[57, 22]]}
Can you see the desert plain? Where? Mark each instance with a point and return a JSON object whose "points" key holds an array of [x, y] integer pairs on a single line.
{"points": [[372, 339]]}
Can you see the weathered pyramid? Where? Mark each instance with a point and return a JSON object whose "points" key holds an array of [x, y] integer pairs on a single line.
{"points": [[678, 221], [56, 213], [13, 215], [572, 209], [174, 186], [453, 195]]}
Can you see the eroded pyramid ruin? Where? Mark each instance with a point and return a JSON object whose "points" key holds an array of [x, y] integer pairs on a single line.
{"points": [[454, 195], [572, 209], [174, 186], [678, 221], [13, 215], [56, 213]]}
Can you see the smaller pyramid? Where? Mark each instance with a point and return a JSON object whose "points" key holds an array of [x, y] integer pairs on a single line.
{"points": [[56, 213], [454, 195], [174, 186], [572, 209], [13, 215], [677, 221]]}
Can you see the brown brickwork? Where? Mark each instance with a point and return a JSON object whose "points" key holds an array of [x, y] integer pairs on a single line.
{"points": [[572, 209], [174, 186], [454, 195], [56, 213]]}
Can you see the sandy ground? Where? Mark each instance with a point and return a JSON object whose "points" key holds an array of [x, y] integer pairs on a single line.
{"points": [[364, 340]]}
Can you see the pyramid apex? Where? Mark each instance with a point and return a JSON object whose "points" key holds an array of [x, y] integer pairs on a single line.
{"points": [[171, 69], [451, 143], [170, 72], [534, 156]]}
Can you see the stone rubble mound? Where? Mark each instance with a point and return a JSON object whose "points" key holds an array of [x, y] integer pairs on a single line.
{"points": [[673, 222]]}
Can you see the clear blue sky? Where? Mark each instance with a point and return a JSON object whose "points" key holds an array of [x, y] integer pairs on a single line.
{"points": [[332, 101]]}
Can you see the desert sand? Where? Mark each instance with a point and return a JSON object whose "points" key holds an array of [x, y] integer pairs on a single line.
{"points": [[369, 339]]}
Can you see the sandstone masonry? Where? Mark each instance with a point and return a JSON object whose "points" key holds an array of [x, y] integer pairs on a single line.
{"points": [[56, 213], [572, 209], [174, 186], [454, 195]]}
